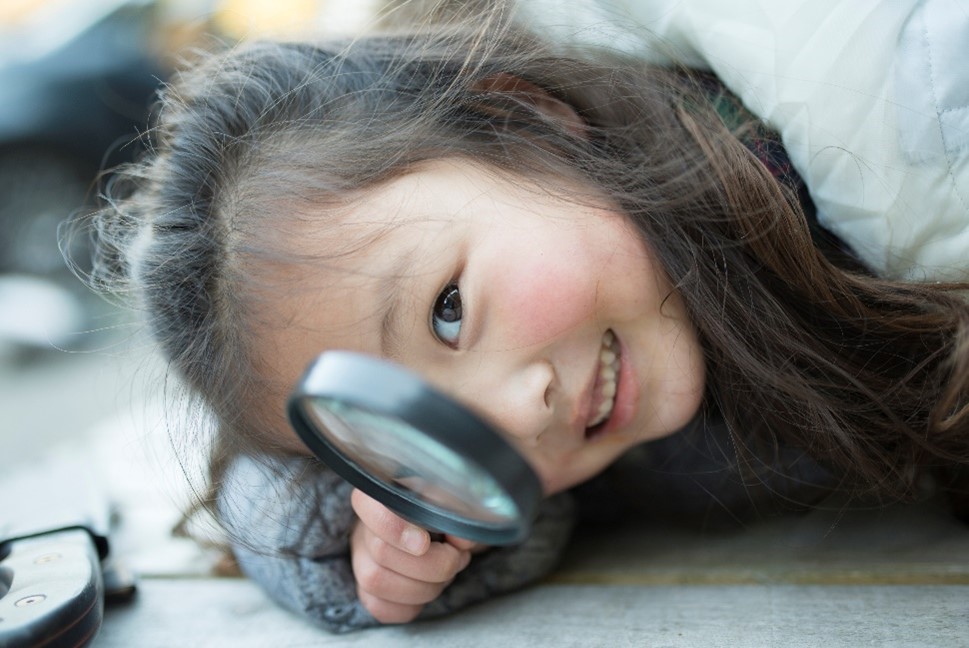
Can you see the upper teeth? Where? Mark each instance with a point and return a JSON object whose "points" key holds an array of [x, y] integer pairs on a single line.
{"points": [[606, 380]]}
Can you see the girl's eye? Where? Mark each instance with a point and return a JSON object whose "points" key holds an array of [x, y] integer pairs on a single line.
{"points": [[446, 316]]}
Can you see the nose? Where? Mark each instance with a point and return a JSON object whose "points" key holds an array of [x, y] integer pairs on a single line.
{"points": [[517, 398]]}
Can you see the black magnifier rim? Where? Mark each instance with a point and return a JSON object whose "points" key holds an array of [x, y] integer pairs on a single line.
{"points": [[387, 389]]}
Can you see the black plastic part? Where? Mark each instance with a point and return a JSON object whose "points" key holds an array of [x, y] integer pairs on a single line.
{"points": [[56, 593]]}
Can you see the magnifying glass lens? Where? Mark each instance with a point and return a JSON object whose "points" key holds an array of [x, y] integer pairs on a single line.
{"points": [[415, 450], [398, 454]]}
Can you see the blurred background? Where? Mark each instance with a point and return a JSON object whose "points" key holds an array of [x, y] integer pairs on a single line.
{"points": [[77, 79]]}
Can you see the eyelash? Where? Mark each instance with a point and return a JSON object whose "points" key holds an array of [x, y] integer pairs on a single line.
{"points": [[446, 301]]}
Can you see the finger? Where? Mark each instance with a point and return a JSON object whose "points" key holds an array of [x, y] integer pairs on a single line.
{"points": [[439, 565], [386, 584], [387, 612], [388, 526], [463, 544]]}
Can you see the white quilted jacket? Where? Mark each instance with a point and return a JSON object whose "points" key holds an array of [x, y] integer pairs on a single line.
{"points": [[871, 98]]}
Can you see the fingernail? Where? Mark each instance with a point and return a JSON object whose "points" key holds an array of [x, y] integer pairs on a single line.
{"points": [[414, 540]]}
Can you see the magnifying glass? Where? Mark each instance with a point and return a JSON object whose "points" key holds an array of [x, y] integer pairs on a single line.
{"points": [[413, 449]]}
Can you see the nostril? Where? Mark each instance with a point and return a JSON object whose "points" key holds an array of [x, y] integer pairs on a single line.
{"points": [[550, 379]]}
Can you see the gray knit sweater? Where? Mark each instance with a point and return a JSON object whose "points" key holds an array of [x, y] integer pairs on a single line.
{"points": [[290, 519]]}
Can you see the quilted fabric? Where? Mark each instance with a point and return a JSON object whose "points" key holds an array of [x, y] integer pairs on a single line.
{"points": [[932, 76], [870, 98]]}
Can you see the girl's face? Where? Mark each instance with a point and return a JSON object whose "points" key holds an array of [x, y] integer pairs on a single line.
{"points": [[548, 317]]}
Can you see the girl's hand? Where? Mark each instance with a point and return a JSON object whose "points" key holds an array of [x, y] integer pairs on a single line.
{"points": [[397, 567]]}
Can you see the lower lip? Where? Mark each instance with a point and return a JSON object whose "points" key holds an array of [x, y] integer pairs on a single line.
{"points": [[627, 395]]}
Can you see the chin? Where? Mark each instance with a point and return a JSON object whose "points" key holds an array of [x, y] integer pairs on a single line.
{"points": [[558, 483]]}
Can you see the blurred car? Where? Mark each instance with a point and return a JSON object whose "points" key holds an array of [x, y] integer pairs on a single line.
{"points": [[76, 82]]}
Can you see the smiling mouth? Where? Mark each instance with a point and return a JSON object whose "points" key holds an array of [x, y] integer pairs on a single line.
{"points": [[604, 390]]}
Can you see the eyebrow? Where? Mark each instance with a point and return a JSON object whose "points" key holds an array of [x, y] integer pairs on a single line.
{"points": [[390, 338]]}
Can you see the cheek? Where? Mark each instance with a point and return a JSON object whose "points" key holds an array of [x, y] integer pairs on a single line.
{"points": [[540, 299]]}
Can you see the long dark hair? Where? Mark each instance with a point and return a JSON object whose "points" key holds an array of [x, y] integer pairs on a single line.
{"points": [[868, 375]]}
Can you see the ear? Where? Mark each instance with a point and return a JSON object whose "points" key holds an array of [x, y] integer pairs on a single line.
{"points": [[541, 100]]}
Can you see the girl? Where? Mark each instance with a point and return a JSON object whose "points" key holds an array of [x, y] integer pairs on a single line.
{"points": [[614, 262]]}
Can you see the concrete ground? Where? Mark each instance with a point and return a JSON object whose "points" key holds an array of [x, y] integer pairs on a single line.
{"points": [[892, 577]]}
